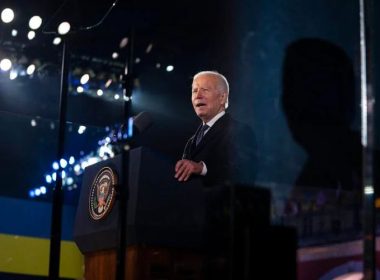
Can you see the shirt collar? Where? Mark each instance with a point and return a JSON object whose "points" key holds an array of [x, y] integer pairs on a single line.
{"points": [[214, 119]]}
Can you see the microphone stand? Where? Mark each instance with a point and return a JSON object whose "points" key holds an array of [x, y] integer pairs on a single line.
{"points": [[57, 203]]}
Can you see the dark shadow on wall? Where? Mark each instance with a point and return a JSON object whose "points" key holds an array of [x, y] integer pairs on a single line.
{"points": [[319, 103]]}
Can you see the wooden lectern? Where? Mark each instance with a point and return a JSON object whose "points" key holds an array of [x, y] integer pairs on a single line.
{"points": [[164, 222]]}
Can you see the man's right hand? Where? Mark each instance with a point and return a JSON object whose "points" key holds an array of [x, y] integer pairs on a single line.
{"points": [[184, 168]]}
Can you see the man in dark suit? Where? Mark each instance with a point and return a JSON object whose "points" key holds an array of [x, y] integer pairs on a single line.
{"points": [[222, 149]]}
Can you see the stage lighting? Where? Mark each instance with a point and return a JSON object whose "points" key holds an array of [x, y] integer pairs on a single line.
{"points": [[99, 92], [115, 55], [116, 96], [43, 189], [84, 79], [169, 68], [13, 74], [64, 28], [127, 98], [30, 70], [77, 168], [137, 60], [108, 83], [48, 179], [54, 176], [81, 129], [57, 41], [14, 32], [33, 123], [55, 165], [31, 193], [149, 48], [35, 22], [80, 89], [31, 35], [5, 64], [37, 192], [123, 42], [71, 160], [63, 174], [63, 163], [69, 181], [7, 15], [158, 65]]}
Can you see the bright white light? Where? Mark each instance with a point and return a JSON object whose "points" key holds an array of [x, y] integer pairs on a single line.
{"points": [[77, 168], [63, 174], [33, 123], [71, 160], [117, 96], [108, 83], [31, 35], [169, 68], [63, 163], [13, 74], [126, 98], [43, 189], [57, 41], [368, 190], [108, 140], [31, 68], [55, 165], [14, 32], [35, 22], [105, 151], [7, 15], [37, 192], [137, 60], [48, 179], [81, 129], [115, 55], [99, 92], [5, 64], [123, 42], [69, 180], [64, 28], [54, 176], [80, 89], [84, 79]]}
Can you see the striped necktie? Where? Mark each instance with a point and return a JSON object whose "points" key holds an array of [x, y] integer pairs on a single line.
{"points": [[201, 133]]}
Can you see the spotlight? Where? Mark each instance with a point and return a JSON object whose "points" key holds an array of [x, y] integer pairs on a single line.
{"points": [[48, 179], [116, 96], [77, 168], [64, 28], [80, 89], [169, 68], [137, 60], [31, 35], [126, 98], [123, 42], [30, 70], [7, 15], [33, 123], [35, 22], [43, 189], [63, 163], [55, 165], [115, 55], [37, 192], [5, 64], [14, 32], [69, 181], [71, 160], [99, 92], [57, 41], [13, 74], [81, 129], [108, 83], [54, 176], [84, 79], [31, 193]]}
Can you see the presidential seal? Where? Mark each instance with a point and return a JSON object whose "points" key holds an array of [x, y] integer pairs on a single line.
{"points": [[102, 193]]}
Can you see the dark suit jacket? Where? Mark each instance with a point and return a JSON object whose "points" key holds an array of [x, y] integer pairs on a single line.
{"points": [[228, 149]]}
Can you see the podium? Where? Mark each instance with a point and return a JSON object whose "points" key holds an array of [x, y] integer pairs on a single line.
{"points": [[179, 230], [165, 221]]}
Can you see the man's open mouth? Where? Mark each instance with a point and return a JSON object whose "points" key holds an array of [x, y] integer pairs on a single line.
{"points": [[200, 105]]}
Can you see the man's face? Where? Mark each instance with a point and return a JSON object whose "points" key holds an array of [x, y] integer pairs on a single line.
{"points": [[208, 100]]}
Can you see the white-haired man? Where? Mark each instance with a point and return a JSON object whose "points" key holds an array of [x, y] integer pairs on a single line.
{"points": [[222, 149]]}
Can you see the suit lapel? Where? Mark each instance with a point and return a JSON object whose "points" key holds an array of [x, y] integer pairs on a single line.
{"points": [[213, 132]]}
